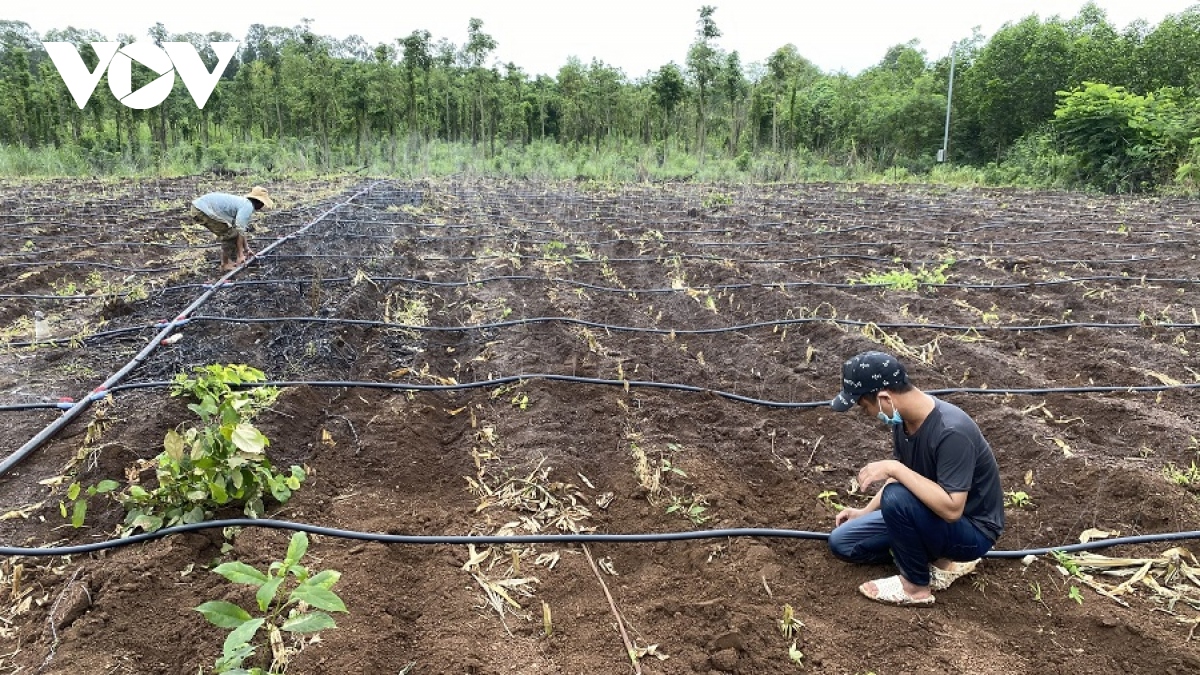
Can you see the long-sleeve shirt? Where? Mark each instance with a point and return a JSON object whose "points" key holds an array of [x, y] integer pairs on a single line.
{"points": [[226, 208]]}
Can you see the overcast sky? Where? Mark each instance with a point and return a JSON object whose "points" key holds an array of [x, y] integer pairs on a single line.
{"points": [[634, 35]]}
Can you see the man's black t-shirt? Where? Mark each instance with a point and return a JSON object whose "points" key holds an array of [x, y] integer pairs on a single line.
{"points": [[950, 450]]}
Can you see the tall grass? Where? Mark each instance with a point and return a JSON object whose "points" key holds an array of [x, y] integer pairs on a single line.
{"points": [[613, 161]]}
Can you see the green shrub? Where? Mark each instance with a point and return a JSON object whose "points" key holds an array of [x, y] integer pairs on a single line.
{"points": [[218, 463], [300, 610]]}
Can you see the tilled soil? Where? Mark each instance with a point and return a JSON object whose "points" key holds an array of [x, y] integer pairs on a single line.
{"points": [[640, 359]]}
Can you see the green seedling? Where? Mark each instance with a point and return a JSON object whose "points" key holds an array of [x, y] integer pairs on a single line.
{"points": [[79, 505], [1189, 477], [1017, 499], [1067, 563], [795, 655], [555, 250], [904, 279], [716, 199], [668, 467], [1075, 594], [289, 600], [693, 510], [828, 499], [789, 625]]}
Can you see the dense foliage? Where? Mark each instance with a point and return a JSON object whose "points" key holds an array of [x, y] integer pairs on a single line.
{"points": [[1043, 101]]}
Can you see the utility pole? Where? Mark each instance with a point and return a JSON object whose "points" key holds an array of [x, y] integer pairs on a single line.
{"points": [[944, 153]]}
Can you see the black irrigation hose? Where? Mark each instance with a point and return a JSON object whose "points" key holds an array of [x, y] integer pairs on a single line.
{"points": [[19, 407], [487, 539], [1031, 242], [667, 289], [1018, 328], [963, 328], [579, 260], [94, 263], [98, 337], [92, 338], [626, 384], [613, 289], [99, 244]]}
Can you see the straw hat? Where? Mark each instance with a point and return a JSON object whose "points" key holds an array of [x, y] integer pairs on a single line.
{"points": [[259, 193]]}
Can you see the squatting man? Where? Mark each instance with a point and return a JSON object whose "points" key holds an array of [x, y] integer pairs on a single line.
{"points": [[940, 506], [228, 216]]}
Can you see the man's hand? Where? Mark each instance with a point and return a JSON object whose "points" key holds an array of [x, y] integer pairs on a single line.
{"points": [[877, 472], [244, 245], [847, 514]]}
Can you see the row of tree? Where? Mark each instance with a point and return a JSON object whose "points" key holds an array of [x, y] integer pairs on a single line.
{"points": [[1112, 108]]}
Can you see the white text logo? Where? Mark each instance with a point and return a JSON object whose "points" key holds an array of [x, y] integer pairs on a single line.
{"points": [[118, 60]]}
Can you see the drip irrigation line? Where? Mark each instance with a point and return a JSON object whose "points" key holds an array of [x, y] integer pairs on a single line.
{"points": [[575, 379], [702, 288], [78, 407], [93, 338], [60, 223], [21, 407], [93, 263], [501, 381], [679, 331], [575, 259], [1031, 242], [102, 336], [795, 230], [390, 238], [488, 539], [99, 244], [625, 384], [19, 296]]}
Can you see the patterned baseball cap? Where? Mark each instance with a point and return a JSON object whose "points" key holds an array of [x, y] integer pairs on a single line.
{"points": [[867, 373]]}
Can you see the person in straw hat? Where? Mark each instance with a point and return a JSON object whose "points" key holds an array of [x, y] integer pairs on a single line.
{"points": [[227, 216]]}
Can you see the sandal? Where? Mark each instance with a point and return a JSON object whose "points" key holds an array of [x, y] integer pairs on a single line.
{"points": [[890, 591], [940, 580]]}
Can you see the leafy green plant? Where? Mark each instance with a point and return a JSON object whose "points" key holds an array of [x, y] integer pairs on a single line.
{"points": [[716, 199], [1066, 562], [905, 279], [520, 401], [667, 467], [1075, 594], [213, 384], [215, 464], [65, 288], [1121, 140], [789, 625], [693, 510], [555, 250], [829, 498], [1189, 477], [302, 609], [1017, 499], [79, 504]]}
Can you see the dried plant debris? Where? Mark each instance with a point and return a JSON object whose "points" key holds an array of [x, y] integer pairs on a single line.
{"points": [[1171, 579]]}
